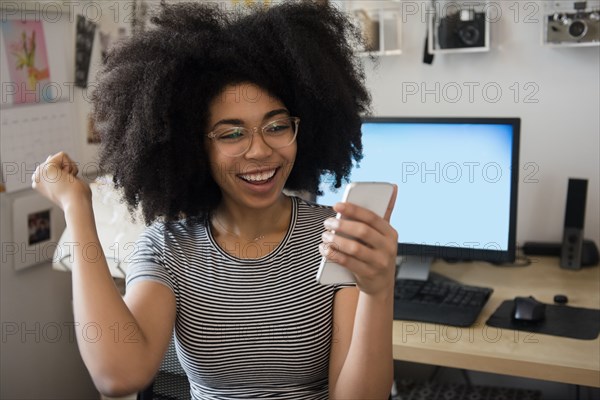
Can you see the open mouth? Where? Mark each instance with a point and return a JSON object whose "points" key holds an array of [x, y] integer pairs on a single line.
{"points": [[258, 178]]}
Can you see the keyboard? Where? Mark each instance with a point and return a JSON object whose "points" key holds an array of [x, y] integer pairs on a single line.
{"points": [[439, 300]]}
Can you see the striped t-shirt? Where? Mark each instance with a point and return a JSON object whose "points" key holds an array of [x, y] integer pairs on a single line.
{"points": [[245, 328]]}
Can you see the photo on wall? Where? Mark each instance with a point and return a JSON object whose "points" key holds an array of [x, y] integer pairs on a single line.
{"points": [[27, 59], [37, 225], [86, 30]]}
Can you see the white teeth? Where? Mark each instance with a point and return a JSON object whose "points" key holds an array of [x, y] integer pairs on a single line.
{"points": [[261, 176]]}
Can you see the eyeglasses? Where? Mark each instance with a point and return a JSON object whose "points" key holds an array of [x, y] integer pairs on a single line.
{"points": [[236, 140]]}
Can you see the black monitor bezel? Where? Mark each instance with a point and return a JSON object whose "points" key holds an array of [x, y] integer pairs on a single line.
{"points": [[467, 253]]}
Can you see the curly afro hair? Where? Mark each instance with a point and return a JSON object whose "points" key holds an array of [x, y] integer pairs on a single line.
{"points": [[151, 105]]}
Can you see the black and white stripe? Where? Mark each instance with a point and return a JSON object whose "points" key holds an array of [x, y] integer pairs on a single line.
{"points": [[245, 328]]}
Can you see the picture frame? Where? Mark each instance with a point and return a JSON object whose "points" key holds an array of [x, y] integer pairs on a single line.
{"points": [[84, 40], [37, 225]]}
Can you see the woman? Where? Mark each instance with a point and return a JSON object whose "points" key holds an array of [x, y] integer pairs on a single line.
{"points": [[205, 120]]}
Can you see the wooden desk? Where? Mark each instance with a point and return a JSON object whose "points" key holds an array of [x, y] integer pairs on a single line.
{"points": [[504, 351]]}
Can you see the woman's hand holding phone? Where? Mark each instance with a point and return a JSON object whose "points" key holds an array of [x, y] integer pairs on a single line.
{"points": [[360, 245]]}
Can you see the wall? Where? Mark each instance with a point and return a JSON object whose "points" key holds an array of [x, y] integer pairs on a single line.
{"points": [[39, 358], [553, 90]]}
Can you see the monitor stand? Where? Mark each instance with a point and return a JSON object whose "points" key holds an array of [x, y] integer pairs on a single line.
{"points": [[413, 267]]}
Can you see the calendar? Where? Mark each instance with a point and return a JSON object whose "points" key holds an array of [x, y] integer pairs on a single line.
{"points": [[28, 135]]}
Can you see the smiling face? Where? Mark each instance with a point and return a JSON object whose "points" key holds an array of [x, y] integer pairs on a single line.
{"points": [[256, 178]]}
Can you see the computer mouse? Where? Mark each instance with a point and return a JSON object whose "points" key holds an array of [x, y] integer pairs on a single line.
{"points": [[528, 309]]}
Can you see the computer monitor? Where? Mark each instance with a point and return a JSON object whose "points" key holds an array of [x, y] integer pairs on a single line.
{"points": [[457, 186]]}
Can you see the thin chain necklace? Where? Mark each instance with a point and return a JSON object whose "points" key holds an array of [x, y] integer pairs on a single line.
{"points": [[256, 239]]}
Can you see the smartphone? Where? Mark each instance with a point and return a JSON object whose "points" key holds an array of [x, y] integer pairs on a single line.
{"points": [[374, 196]]}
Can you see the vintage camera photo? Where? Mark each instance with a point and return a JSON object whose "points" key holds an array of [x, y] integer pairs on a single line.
{"points": [[462, 29], [574, 27]]}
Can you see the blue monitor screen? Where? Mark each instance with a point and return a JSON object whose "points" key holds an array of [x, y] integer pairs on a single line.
{"points": [[456, 183]]}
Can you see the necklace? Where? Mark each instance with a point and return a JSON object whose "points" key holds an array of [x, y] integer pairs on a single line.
{"points": [[256, 239]]}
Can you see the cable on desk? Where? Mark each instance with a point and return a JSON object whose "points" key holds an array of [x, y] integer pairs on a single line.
{"points": [[521, 260]]}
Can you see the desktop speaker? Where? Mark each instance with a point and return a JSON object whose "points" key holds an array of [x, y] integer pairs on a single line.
{"points": [[572, 243]]}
